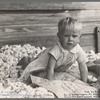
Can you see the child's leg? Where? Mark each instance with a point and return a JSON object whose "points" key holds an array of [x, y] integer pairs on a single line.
{"points": [[92, 67]]}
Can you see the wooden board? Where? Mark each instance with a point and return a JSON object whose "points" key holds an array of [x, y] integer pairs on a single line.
{"points": [[88, 48], [43, 39], [48, 21], [82, 15], [50, 5], [39, 27], [46, 41], [47, 27]]}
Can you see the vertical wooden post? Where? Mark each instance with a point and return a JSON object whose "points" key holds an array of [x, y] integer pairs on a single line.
{"points": [[97, 38]]}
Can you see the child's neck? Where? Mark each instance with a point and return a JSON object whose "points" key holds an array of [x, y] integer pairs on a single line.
{"points": [[68, 49]]}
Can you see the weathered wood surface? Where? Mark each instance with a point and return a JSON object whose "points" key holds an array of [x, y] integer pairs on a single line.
{"points": [[50, 5], [54, 17], [87, 48], [47, 22], [39, 40], [29, 23], [49, 19], [46, 27], [85, 40]]}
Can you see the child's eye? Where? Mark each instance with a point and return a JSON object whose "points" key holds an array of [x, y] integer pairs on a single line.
{"points": [[75, 36], [66, 35]]}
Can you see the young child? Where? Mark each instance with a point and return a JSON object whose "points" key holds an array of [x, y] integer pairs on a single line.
{"points": [[63, 54]]}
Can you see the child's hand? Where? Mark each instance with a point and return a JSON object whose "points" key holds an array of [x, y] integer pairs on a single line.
{"points": [[91, 56]]}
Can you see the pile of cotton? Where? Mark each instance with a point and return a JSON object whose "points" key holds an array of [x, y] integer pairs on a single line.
{"points": [[11, 55], [14, 89], [10, 87]]}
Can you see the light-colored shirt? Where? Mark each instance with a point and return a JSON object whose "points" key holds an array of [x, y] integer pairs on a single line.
{"points": [[65, 57], [62, 56]]}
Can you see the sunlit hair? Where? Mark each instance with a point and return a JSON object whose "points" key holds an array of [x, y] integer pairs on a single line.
{"points": [[69, 24]]}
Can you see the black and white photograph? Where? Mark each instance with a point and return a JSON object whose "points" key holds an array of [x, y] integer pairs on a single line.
{"points": [[49, 49]]}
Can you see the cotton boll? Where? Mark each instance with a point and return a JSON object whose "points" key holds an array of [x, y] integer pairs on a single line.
{"points": [[7, 52], [25, 55], [43, 48], [18, 47], [2, 55], [1, 62], [23, 93], [5, 48], [27, 46], [41, 90], [14, 49], [30, 90], [9, 89], [1, 88], [13, 73], [38, 50], [15, 60]]}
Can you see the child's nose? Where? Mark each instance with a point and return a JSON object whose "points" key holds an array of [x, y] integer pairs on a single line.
{"points": [[70, 38]]}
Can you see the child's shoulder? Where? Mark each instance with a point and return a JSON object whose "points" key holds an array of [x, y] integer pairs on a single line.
{"points": [[78, 46], [55, 47], [79, 49]]}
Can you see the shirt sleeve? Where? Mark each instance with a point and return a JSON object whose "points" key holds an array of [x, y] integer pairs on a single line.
{"points": [[55, 52], [81, 55]]}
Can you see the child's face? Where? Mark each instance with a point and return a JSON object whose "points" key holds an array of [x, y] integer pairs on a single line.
{"points": [[69, 39]]}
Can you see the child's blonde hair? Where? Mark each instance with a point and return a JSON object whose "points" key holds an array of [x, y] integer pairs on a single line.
{"points": [[69, 24]]}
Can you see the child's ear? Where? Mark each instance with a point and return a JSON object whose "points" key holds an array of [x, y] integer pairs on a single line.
{"points": [[58, 34], [80, 36]]}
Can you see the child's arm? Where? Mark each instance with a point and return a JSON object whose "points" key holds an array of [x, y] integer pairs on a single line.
{"points": [[50, 67], [83, 71]]}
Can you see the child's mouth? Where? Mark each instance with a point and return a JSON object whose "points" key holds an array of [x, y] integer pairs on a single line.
{"points": [[70, 43]]}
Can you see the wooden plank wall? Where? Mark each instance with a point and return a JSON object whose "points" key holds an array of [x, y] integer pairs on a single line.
{"points": [[36, 22]]}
